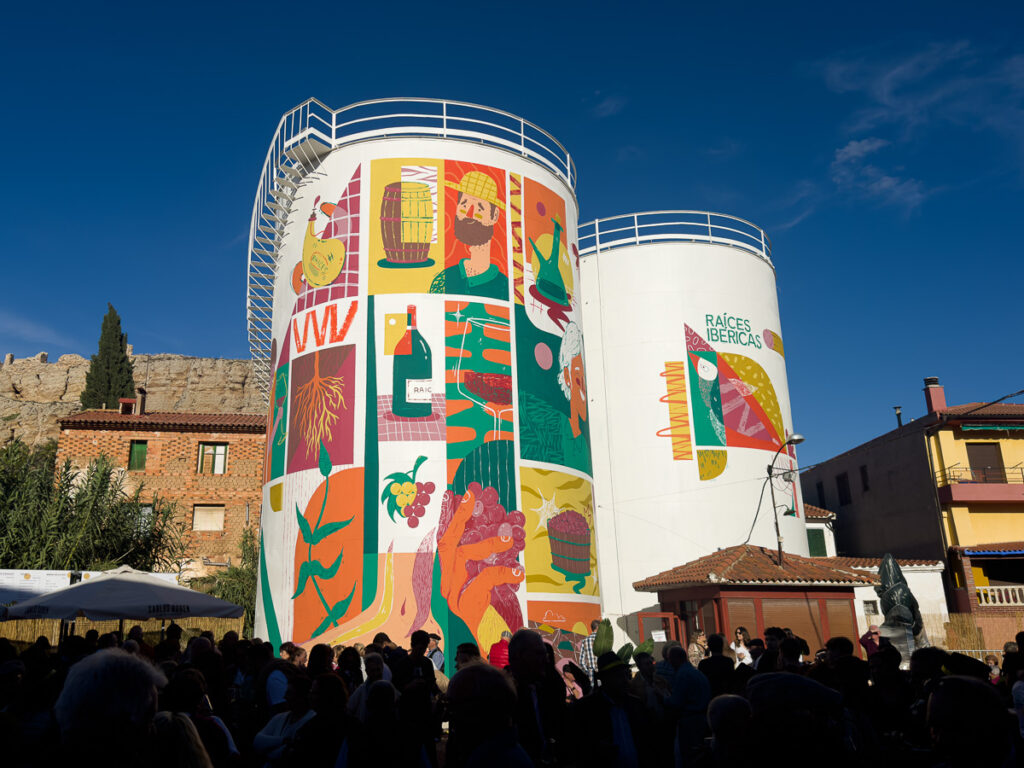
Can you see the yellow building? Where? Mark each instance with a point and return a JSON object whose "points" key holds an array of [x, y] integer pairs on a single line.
{"points": [[948, 485]]}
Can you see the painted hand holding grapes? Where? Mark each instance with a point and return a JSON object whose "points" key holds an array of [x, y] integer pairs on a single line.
{"points": [[478, 547]]}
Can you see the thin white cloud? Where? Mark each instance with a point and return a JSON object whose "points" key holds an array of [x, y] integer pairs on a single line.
{"points": [[945, 82], [853, 173], [794, 221], [18, 328], [608, 106]]}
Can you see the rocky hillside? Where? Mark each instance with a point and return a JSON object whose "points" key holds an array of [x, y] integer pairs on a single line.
{"points": [[34, 392]]}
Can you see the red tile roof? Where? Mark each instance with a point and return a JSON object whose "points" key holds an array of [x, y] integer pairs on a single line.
{"points": [[1006, 547], [183, 422], [873, 562], [747, 564], [812, 512], [982, 411]]}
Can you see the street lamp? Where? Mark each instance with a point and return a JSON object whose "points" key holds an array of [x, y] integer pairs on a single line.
{"points": [[793, 440]]}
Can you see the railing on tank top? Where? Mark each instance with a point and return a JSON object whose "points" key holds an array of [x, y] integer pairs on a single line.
{"points": [[306, 134], [674, 227]]}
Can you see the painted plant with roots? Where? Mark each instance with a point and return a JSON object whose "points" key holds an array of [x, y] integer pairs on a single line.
{"points": [[316, 406]]}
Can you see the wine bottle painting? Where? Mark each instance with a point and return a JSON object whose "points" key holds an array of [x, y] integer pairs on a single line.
{"points": [[412, 391]]}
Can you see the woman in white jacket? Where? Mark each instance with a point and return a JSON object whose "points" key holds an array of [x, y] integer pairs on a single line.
{"points": [[739, 646]]}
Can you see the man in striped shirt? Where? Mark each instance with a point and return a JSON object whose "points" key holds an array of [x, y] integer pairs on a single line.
{"points": [[588, 661]]}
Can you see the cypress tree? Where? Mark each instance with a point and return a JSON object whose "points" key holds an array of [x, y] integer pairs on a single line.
{"points": [[110, 372]]}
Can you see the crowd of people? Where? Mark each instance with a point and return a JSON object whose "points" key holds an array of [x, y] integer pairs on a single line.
{"points": [[720, 701]]}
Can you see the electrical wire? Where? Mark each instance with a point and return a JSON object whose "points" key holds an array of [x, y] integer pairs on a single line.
{"points": [[758, 510]]}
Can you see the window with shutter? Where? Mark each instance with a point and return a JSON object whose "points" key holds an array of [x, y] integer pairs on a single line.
{"points": [[840, 620], [816, 542], [740, 613], [799, 614], [208, 517]]}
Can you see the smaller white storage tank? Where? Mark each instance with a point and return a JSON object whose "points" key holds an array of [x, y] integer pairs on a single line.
{"points": [[681, 316]]}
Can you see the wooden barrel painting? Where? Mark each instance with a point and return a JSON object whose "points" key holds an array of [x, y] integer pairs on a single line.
{"points": [[407, 222]]}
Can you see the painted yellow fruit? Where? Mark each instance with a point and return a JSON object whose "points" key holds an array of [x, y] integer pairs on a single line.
{"points": [[409, 488], [395, 489], [322, 260]]}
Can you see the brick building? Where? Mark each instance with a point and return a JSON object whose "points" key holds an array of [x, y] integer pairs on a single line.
{"points": [[210, 465]]}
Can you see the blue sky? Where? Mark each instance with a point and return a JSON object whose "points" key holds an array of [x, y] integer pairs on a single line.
{"points": [[881, 146]]}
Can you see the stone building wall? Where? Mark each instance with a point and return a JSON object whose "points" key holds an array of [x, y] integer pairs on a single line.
{"points": [[35, 393]]}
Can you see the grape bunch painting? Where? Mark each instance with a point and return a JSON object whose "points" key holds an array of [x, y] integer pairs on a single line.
{"points": [[406, 498], [487, 524]]}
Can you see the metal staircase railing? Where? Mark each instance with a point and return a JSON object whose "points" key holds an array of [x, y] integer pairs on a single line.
{"points": [[308, 133]]}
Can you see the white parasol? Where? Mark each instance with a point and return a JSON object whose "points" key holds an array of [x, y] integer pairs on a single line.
{"points": [[123, 593]]}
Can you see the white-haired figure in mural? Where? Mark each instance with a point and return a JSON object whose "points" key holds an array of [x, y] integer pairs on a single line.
{"points": [[572, 380]]}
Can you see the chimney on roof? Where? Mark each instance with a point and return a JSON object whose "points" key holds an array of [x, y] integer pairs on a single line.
{"points": [[141, 409], [127, 405], [934, 394]]}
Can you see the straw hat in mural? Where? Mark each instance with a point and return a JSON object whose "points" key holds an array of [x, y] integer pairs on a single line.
{"points": [[478, 184]]}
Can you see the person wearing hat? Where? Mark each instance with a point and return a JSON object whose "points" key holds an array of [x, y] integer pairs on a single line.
{"points": [[476, 213], [434, 652]]}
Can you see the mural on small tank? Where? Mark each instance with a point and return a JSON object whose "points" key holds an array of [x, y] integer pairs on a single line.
{"points": [[428, 409], [731, 402]]}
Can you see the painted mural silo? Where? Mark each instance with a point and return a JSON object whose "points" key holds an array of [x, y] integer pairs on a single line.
{"points": [[681, 316], [414, 307]]}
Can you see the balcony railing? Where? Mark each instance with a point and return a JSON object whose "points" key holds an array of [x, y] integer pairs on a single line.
{"points": [[674, 227], [308, 133], [953, 475], [998, 597]]}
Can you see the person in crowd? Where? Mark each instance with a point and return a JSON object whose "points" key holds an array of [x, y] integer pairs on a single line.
{"points": [[698, 647], [540, 704], [374, 672], [272, 684], [434, 652], [648, 687], [691, 693], [993, 668], [572, 688], [384, 741], [795, 721], [498, 654], [610, 727], [176, 743], [870, 640], [482, 705], [350, 668], [805, 649], [756, 649], [274, 740], [718, 668], [415, 666], [105, 711], [790, 656], [168, 649], [664, 670], [968, 723], [186, 694], [317, 743], [135, 634], [321, 661], [741, 646], [729, 720], [588, 661], [467, 653]]}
